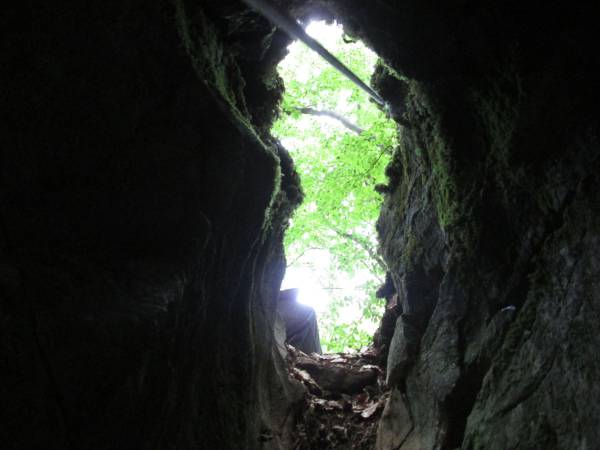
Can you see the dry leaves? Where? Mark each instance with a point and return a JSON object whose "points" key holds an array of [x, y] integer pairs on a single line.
{"points": [[345, 396]]}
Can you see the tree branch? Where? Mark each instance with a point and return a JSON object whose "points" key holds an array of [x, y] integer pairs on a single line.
{"points": [[325, 112], [299, 257], [364, 244]]}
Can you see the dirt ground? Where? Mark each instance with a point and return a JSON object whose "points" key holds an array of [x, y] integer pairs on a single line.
{"points": [[345, 396]]}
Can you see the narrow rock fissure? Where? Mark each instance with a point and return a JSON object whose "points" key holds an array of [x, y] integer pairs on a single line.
{"points": [[151, 210], [345, 392], [340, 142]]}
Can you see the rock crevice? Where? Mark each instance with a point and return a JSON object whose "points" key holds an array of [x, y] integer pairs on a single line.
{"points": [[144, 204]]}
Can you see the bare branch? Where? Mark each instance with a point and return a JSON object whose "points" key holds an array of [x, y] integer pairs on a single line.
{"points": [[364, 244], [301, 255], [325, 112]]}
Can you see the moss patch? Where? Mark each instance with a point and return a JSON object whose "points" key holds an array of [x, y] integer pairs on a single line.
{"points": [[216, 66]]}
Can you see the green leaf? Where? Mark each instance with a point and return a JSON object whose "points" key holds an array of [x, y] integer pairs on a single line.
{"points": [[339, 170]]}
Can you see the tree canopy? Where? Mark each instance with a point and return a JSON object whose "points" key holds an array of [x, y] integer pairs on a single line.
{"points": [[341, 143]]}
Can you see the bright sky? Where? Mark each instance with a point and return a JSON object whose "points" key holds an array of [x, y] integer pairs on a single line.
{"points": [[327, 35], [330, 36], [311, 290], [304, 277]]}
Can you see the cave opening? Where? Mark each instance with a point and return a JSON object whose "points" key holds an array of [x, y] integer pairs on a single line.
{"points": [[144, 204], [341, 142]]}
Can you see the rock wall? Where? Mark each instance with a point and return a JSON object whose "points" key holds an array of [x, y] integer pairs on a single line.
{"points": [[143, 206], [490, 222], [141, 230]]}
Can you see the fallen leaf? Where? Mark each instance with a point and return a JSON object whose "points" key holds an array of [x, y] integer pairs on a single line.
{"points": [[368, 412], [338, 361], [309, 382]]}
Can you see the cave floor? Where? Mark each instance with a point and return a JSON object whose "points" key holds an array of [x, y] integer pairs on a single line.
{"points": [[344, 398]]}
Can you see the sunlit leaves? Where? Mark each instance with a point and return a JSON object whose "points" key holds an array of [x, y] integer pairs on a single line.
{"points": [[339, 170]]}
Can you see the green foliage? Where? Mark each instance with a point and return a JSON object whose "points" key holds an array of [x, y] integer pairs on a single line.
{"points": [[339, 169], [346, 335]]}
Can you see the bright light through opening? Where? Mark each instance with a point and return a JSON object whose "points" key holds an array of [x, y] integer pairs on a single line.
{"points": [[339, 287], [325, 33], [311, 287], [306, 277], [310, 291]]}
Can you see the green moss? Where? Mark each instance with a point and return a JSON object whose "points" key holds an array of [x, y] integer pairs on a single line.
{"points": [[499, 118], [498, 102], [422, 165], [383, 68], [436, 152], [411, 251], [215, 66], [446, 191], [275, 213]]}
